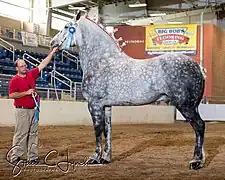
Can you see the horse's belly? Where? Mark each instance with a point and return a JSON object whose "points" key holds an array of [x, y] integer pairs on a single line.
{"points": [[134, 94]]}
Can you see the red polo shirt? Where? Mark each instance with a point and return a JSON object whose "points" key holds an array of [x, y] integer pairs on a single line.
{"points": [[21, 84]]}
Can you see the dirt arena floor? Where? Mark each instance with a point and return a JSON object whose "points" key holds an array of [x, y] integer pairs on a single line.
{"points": [[139, 152]]}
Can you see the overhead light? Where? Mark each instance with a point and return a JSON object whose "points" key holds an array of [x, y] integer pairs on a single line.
{"points": [[76, 8], [175, 22], [64, 12], [137, 4], [158, 14]]}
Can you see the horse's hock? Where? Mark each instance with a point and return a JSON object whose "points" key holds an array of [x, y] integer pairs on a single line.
{"points": [[143, 114]]}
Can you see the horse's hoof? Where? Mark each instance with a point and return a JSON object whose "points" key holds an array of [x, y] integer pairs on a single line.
{"points": [[104, 161], [92, 161], [106, 158], [195, 164]]}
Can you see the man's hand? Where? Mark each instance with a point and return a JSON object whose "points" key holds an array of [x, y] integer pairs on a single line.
{"points": [[54, 50], [45, 62], [16, 95], [30, 91]]}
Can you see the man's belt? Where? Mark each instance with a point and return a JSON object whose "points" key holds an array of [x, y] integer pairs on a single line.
{"points": [[22, 107]]}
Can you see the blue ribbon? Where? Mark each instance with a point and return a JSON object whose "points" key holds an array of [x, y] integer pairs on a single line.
{"points": [[36, 114], [69, 39]]}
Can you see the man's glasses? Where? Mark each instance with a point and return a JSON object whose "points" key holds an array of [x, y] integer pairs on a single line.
{"points": [[22, 66]]}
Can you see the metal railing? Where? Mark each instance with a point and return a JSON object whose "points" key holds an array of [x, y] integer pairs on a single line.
{"points": [[53, 74], [67, 54], [8, 46], [7, 76], [78, 96], [25, 59], [44, 92], [50, 93]]}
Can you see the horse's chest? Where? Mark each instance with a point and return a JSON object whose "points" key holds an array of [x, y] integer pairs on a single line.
{"points": [[93, 83]]}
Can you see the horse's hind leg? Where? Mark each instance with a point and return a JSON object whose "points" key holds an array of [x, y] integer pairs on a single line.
{"points": [[106, 155], [96, 111], [192, 115]]}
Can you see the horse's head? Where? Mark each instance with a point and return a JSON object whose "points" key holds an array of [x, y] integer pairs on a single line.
{"points": [[69, 36]]}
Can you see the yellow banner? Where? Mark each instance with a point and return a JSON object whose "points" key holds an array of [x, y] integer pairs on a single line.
{"points": [[160, 39]]}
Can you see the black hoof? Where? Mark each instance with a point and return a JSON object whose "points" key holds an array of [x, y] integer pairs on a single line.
{"points": [[103, 161], [195, 165], [92, 161]]}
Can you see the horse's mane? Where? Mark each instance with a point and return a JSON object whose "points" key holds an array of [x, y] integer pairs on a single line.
{"points": [[104, 30]]}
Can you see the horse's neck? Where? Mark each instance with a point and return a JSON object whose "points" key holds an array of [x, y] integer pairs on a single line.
{"points": [[97, 46]]}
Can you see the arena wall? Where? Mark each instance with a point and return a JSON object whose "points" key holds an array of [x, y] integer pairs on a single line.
{"points": [[218, 64], [8, 22], [76, 113]]}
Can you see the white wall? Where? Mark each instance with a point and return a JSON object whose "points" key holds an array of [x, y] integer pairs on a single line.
{"points": [[59, 3], [209, 112], [15, 12], [59, 22], [52, 113], [76, 113], [40, 12]]}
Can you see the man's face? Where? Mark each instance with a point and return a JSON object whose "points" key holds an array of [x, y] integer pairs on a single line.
{"points": [[21, 67]]}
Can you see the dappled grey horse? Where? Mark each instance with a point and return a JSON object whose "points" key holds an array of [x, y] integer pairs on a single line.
{"points": [[111, 78]]}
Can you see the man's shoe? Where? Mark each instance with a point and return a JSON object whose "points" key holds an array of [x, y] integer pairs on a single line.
{"points": [[34, 161], [14, 162]]}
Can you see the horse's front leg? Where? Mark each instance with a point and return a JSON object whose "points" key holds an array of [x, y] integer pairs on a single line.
{"points": [[96, 111], [107, 154]]}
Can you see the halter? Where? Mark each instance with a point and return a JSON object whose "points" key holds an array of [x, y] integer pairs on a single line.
{"points": [[37, 108], [68, 38]]}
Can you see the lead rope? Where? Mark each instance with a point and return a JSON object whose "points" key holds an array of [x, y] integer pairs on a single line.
{"points": [[54, 69], [37, 107]]}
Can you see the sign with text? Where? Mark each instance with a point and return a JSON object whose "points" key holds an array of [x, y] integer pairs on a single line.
{"points": [[29, 39], [161, 39]]}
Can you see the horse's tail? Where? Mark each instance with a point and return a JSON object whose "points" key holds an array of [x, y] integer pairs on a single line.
{"points": [[202, 86], [203, 71]]}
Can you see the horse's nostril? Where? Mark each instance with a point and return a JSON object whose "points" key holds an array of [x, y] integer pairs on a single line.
{"points": [[52, 43]]}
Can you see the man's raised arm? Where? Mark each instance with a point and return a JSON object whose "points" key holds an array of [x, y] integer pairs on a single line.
{"points": [[47, 60]]}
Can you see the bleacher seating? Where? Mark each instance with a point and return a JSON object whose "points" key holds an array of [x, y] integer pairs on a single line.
{"points": [[4, 83], [67, 68]]}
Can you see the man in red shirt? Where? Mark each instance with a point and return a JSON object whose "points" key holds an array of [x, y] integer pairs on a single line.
{"points": [[21, 89]]}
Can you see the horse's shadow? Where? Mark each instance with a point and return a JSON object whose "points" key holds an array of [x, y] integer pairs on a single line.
{"points": [[212, 145], [166, 139]]}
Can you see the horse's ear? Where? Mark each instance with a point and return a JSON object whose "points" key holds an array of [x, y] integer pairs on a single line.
{"points": [[80, 13], [78, 16]]}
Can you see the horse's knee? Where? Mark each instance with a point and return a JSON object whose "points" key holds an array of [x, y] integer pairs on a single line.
{"points": [[98, 126], [108, 111], [200, 126], [197, 122]]}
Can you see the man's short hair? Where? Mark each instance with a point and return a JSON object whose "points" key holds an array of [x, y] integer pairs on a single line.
{"points": [[16, 62]]}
